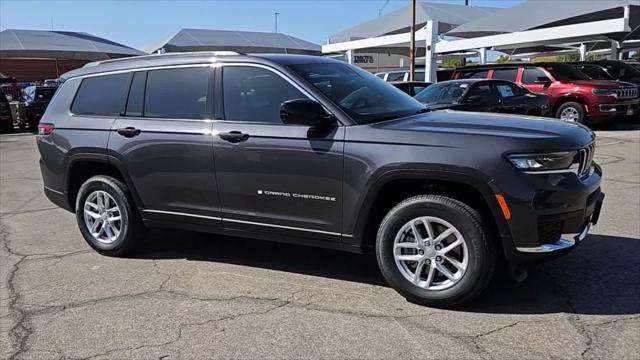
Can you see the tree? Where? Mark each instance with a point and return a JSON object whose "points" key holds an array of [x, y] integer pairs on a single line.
{"points": [[502, 59], [451, 63]]}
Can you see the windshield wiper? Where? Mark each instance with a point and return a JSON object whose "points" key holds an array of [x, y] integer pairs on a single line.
{"points": [[423, 110]]}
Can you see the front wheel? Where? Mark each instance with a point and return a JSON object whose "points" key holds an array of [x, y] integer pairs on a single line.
{"points": [[435, 251], [571, 112]]}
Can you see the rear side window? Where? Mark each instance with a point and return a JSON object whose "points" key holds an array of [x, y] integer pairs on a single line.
{"points": [[508, 90], [505, 74], [177, 93], [531, 75], [101, 95], [396, 76]]}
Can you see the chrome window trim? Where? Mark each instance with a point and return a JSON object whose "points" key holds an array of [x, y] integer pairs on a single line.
{"points": [[245, 222]]}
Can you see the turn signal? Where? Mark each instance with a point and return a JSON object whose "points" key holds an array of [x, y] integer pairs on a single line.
{"points": [[503, 206], [45, 129]]}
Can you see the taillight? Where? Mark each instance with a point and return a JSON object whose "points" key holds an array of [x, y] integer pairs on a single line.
{"points": [[45, 129]]}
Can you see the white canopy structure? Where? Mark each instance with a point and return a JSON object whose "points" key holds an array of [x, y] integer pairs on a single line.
{"points": [[535, 23]]}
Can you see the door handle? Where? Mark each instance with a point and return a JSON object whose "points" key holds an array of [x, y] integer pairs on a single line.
{"points": [[234, 136], [128, 131]]}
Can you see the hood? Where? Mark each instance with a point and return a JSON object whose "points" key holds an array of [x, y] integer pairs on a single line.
{"points": [[452, 128], [608, 84]]}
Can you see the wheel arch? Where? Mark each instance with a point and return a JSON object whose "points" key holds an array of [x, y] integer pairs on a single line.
{"points": [[473, 190], [568, 98], [83, 166]]}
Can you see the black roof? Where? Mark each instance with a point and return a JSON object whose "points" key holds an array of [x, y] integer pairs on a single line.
{"points": [[187, 58]]}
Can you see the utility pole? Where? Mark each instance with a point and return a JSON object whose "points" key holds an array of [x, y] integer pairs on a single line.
{"points": [[412, 54], [466, 2], [276, 16]]}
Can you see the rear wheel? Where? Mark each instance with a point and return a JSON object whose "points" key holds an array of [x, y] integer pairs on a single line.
{"points": [[435, 251], [107, 217], [571, 112]]}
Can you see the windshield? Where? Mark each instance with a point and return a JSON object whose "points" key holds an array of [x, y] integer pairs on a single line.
{"points": [[596, 72], [443, 93], [365, 97], [563, 72]]}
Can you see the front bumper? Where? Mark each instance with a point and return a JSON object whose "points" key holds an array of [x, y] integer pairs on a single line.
{"points": [[550, 214], [609, 110]]}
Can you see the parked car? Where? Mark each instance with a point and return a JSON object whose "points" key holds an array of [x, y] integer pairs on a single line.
{"points": [[483, 95], [6, 120], [36, 99], [315, 151], [402, 75], [411, 87], [573, 96]]}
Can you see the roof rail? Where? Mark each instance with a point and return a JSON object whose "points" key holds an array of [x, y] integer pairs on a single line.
{"points": [[174, 54]]}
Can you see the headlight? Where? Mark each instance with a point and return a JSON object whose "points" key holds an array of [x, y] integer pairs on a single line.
{"points": [[556, 162], [605, 92]]}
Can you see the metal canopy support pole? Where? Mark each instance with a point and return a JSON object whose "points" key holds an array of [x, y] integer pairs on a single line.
{"points": [[349, 55], [583, 52], [615, 50], [430, 57], [412, 48], [482, 52]]}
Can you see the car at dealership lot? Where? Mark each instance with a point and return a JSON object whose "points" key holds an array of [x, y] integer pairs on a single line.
{"points": [[6, 119], [318, 152], [36, 99], [573, 95], [411, 87], [498, 96]]}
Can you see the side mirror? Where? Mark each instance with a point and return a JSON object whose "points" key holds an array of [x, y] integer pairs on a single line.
{"points": [[304, 112]]}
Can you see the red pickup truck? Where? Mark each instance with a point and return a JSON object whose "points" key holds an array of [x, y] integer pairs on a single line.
{"points": [[573, 96]]}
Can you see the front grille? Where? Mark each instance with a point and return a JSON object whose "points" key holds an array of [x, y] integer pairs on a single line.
{"points": [[585, 157], [628, 93], [549, 232]]}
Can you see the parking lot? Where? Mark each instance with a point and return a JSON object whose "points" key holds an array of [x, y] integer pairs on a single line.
{"points": [[190, 295]]}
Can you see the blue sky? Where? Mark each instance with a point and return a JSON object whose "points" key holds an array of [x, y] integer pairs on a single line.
{"points": [[137, 23]]}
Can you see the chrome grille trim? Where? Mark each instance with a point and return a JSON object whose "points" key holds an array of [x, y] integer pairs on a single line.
{"points": [[627, 93], [586, 155]]}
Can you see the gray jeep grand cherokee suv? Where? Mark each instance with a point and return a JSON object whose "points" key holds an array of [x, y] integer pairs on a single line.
{"points": [[314, 151]]}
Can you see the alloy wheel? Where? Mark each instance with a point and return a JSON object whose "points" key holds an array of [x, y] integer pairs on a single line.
{"points": [[569, 114], [431, 253], [102, 217]]}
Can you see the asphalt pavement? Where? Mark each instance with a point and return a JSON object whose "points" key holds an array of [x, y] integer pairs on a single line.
{"points": [[189, 295]]}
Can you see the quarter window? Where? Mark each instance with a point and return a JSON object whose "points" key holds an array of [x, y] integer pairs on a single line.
{"points": [[177, 93], [254, 94], [101, 95]]}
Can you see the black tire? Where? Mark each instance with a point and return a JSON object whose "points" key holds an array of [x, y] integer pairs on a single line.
{"points": [[577, 107], [481, 249], [132, 229]]}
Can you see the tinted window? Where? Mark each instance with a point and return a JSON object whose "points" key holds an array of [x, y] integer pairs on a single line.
{"points": [[507, 90], [505, 74], [482, 91], [396, 76], [531, 75], [418, 76], [101, 95], [136, 94], [564, 72], [478, 74], [594, 72], [360, 94], [44, 94], [443, 93], [255, 94], [177, 93]]}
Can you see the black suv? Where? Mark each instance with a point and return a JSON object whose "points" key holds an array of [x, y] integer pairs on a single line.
{"points": [[314, 151]]}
